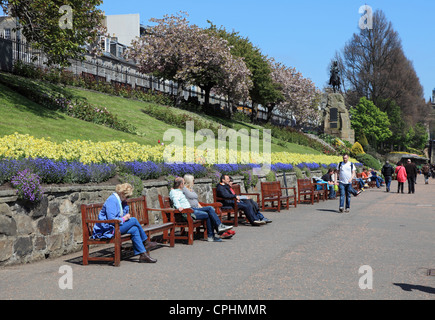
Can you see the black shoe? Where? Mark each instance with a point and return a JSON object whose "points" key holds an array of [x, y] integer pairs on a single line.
{"points": [[146, 258], [150, 245]]}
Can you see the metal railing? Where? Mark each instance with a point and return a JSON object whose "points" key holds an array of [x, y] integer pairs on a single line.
{"points": [[118, 71]]}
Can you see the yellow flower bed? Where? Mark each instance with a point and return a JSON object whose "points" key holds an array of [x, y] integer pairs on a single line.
{"points": [[17, 146], [24, 146]]}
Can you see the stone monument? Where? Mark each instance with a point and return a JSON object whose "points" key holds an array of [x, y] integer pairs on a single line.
{"points": [[336, 120]]}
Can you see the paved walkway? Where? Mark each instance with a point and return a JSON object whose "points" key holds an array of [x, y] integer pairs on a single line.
{"points": [[311, 252]]}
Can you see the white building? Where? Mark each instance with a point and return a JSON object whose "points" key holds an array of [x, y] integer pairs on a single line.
{"points": [[124, 27]]}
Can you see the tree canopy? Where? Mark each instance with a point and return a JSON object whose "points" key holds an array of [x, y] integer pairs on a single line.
{"points": [[367, 120], [263, 90], [374, 66], [40, 21]]}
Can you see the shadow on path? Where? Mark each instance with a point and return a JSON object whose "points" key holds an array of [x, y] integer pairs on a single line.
{"points": [[410, 287]]}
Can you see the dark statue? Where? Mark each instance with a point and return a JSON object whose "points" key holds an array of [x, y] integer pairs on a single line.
{"points": [[334, 79]]}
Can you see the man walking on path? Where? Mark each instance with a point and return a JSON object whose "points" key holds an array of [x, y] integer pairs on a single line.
{"points": [[411, 172], [346, 173], [387, 172]]}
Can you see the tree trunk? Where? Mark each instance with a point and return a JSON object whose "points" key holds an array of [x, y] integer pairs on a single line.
{"points": [[179, 98], [270, 108], [254, 112]]}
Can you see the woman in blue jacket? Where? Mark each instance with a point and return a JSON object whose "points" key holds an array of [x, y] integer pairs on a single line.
{"points": [[116, 208]]}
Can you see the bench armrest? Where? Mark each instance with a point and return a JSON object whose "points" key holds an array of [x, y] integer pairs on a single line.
{"points": [[103, 221], [323, 185], [214, 204], [167, 211]]}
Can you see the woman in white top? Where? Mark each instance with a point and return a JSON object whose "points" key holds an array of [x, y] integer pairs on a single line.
{"points": [[213, 221]]}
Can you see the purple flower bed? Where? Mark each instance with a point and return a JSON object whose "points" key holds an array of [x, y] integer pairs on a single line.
{"points": [[281, 167], [50, 171], [180, 169], [41, 170], [232, 169]]}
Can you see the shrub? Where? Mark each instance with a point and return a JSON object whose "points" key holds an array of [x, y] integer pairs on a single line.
{"points": [[369, 161], [298, 172], [271, 176], [28, 186], [363, 141], [135, 181], [357, 149], [250, 180]]}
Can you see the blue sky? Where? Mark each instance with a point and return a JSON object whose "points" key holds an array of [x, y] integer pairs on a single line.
{"points": [[304, 34]]}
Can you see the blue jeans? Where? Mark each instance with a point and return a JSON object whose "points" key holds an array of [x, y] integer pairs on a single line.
{"points": [[345, 191], [378, 180], [248, 210], [388, 182], [212, 219], [138, 236], [255, 209], [331, 191], [361, 182]]}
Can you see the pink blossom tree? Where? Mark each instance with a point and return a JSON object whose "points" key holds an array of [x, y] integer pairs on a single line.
{"points": [[301, 96], [175, 50]]}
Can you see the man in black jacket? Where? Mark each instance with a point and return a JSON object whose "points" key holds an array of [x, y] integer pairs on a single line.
{"points": [[387, 172], [223, 191], [411, 172]]}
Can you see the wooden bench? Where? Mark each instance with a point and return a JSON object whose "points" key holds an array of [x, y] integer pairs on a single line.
{"points": [[138, 209], [307, 189], [272, 191], [227, 215], [183, 220], [322, 187], [237, 191]]}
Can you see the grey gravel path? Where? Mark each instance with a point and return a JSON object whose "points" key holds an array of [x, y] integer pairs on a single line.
{"points": [[311, 252]]}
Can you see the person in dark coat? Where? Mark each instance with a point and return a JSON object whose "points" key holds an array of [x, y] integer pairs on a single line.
{"points": [[426, 172], [223, 191], [411, 172], [387, 172]]}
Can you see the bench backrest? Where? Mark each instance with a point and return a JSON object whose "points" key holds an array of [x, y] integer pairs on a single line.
{"points": [[165, 202], [90, 212], [236, 188], [138, 209], [304, 184], [214, 195], [270, 188]]}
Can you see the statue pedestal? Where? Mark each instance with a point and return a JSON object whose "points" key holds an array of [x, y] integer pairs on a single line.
{"points": [[336, 120]]}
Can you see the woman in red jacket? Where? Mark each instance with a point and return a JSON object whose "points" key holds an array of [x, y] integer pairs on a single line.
{"points": [[401, 176]]}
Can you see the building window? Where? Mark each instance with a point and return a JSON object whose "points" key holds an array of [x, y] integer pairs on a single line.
{"points": [[8, 33]]}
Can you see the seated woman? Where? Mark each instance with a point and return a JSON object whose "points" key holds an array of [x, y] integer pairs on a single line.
{"points": [[180, 202], [116, 208], [192, 197]]}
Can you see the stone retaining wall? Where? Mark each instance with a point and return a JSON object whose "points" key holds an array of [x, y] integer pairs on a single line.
{"points": [[53, 227]]}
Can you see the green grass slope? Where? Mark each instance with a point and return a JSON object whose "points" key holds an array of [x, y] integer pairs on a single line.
{"points": [[21, 115]]}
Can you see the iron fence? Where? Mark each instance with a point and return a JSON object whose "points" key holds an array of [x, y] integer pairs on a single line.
{"points": [[114, 70]]}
